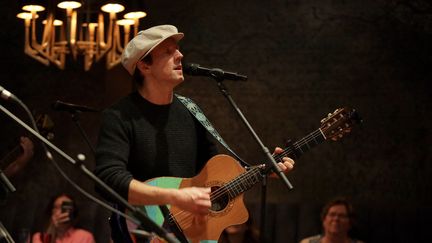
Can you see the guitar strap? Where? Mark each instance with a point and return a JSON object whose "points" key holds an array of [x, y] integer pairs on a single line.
{"points": [[199, 115]]}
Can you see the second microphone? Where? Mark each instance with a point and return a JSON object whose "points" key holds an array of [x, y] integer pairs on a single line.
{"points": [[72, 108]]}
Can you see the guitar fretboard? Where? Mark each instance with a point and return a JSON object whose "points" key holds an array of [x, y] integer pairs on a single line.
{"points": [[243, 182], [248, 179], [302, 146]]}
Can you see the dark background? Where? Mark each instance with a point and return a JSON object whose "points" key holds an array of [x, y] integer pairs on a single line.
{"points": [[304, 59]]}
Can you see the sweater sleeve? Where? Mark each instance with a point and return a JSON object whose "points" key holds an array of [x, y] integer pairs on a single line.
{"points": [[112, 153]]}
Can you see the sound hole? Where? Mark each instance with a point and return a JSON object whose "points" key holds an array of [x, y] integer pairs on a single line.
{"points": [[219, 199]]}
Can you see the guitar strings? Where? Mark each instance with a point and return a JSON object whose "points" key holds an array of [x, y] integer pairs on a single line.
{"points": [[299, 144], [288, 151], [187, 221], [222, 191]]}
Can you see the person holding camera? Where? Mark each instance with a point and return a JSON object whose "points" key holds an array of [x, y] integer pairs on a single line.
{"points": [[61, 227]]}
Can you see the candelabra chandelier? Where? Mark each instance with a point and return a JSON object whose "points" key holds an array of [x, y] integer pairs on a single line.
{"points": [[78, 37]]}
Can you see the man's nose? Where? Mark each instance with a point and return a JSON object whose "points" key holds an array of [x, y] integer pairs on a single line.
{"points": [[179, 55]]}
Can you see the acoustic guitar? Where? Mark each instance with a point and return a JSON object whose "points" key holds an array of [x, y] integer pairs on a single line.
{"points": [[228, 180]]}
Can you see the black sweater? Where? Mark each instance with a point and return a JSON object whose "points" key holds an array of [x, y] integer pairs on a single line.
{"points": [[142, 140]]}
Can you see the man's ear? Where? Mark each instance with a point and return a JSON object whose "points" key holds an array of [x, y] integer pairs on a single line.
{"points": [[142, 66]]}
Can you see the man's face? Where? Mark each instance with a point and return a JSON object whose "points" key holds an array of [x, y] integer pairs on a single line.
{"points": [[166, 66], [337, 220]]}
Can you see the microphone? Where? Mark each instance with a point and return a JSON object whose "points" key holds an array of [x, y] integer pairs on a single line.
{"points": [[219, 74], [72, 108], [6, 95]]}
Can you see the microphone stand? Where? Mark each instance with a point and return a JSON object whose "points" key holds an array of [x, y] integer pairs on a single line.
{"points": [[4, 235], [138, 215], [6, 181], [271, 163], [263, 209]]}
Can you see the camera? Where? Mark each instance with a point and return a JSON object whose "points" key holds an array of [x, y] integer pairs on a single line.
{"points": [[68, 206]]}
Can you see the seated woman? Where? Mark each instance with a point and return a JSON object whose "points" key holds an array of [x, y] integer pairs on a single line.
{"points": [[61, 227], [337, 218]]}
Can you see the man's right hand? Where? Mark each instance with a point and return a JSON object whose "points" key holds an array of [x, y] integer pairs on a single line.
{"points": [[193, 199]]}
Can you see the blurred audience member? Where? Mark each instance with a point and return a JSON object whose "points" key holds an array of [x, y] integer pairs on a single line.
{"points": [[27, 153], [13, 163], [62, 213], [337, 219]]}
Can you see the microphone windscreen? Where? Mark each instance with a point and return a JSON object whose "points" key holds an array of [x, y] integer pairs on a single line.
{"points": [[191, 68]]}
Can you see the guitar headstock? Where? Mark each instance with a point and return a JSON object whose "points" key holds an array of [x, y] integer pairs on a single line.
{"points": [[339, 123]]}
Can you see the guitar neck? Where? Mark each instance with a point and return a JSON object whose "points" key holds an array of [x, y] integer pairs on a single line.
{"points": [[243, 182], [248, 179], [302, 146]]}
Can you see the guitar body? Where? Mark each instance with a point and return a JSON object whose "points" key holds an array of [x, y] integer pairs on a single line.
{"points": [[223, 213]]}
